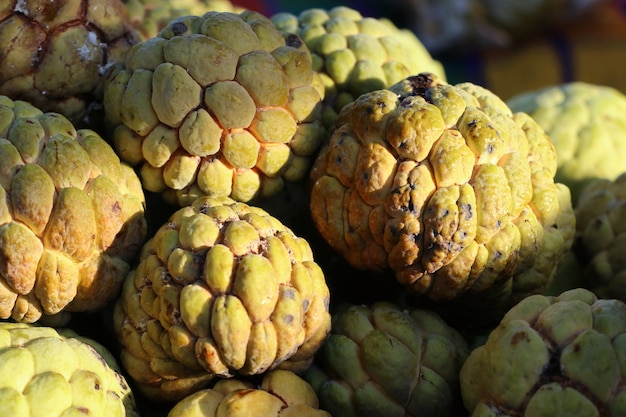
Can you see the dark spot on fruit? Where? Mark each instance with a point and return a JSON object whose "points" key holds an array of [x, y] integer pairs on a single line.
{"points": [[467, 210], [293, 41], [288, 318], [178, 28], [518, 337], [289, 293], [421, 83]]}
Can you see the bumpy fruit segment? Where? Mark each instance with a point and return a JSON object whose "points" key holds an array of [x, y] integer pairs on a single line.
{"points": [[71, 216], [220, 104], [381, 360], [447, 188], [551, 356], [222, 289]]}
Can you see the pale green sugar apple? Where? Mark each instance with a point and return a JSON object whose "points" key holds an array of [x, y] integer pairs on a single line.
{"points": [[444, 186], [53, 53], [57, 373], [222, 104], [71, 216], [279, 394], [222, 289], [600, 241], [587, 126], [383, 361], [356, 54], [465, 27], [557, 356], [150, 16]]}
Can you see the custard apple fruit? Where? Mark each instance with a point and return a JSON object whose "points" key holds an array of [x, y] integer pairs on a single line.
{"points": [[382, 361], [356, 54], [551, 356], [57, 373], [71, 216], [447, 188], [54, 54], [586, 124], [222, 289], [280, 394], [220, 104]]}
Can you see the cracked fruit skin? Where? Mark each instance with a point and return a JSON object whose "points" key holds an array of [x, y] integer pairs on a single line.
{"points": [[54, 54], [220, 104], [600, 238], [551, 356], [384, 361], [150, 16], [57, 373], [446, 187], [71, 216], [355, 54], [280, 394], [586, 124], [222, 289]]}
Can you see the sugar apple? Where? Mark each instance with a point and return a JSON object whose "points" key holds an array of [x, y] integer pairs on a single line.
{"points": [[71, 216], [383, 361], [586, 125], [356, 54], [150, 16], [57, 373], [551, 356], [53, 54], [447, 188], [280, 394], [601, 237], [222, 104], [222, 289]]}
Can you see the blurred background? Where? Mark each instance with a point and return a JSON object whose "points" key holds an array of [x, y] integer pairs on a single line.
{"points": [[508, 46]]}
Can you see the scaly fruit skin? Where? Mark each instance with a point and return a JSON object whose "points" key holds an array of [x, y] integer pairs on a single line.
{"points": [[355, 54], [55, 372], [220, 104], [53, 54], [150, 16], [586, 124], [601, 237], [384, 361], [551, 356], [445, 186], [71, 216], [222, 289], [280, 393]]}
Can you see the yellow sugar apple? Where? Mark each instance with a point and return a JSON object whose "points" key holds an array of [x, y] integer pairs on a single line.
{"points": [[446, 188], [221, 104], [586, 124], [150, 16], [356, 54], [53, 54], [280, 394], [222, 289], [57, 373], [71, 216]]}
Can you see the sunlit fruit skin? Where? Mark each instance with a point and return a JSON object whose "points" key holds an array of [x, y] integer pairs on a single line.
{"points": [[444, 186]]}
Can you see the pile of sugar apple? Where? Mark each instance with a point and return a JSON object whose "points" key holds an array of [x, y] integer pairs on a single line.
{"points": [[205, 211]]}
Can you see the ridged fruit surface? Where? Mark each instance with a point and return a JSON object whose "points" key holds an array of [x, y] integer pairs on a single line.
{"points": [[222, 289], [221, 104], [53, 53], [150, 16], [586, 124], [601, 237], [356, 54], [447, 188], [57, 373], [553, 356], [280, 394], [384, 361], [71, 216]]}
